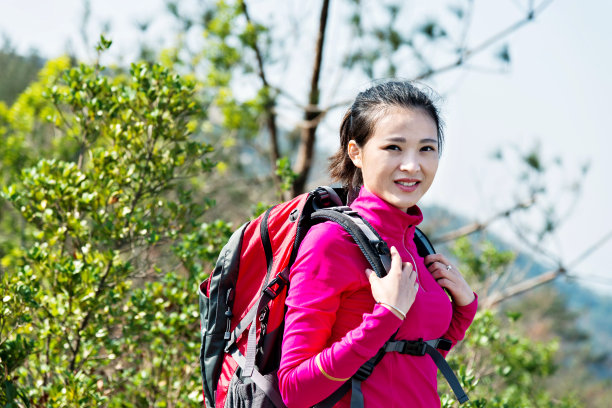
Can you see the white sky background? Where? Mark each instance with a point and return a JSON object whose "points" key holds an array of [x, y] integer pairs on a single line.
{"points": [[557, 91]]}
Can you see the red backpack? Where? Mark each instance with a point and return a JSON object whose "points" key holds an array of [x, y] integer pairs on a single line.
{"points": [[247, 291]]}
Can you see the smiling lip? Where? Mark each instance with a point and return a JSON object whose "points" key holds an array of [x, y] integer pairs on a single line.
{"points": [[407, 185]]}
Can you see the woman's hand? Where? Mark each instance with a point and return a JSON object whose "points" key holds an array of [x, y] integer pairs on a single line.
{"points": [[450, 278], [398, 288]]}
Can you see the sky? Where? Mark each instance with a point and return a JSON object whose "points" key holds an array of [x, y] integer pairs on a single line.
{"points": [[554, 97], [557, 93]]}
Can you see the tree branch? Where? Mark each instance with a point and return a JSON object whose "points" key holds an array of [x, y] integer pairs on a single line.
{"points": [[306, 149], [479, 226], [465, 55], [539, 280], [591, 249], [524, 286], [85, 321], [270, 103]]}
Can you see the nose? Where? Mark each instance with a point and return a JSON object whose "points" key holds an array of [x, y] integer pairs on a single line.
{"points": [[410, 163]]}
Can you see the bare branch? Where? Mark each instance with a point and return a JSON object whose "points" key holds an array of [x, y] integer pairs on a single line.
{"points": [[591, 249], [85, 321], [524, 286], [465, 55], [479, 226], [544, 278]]}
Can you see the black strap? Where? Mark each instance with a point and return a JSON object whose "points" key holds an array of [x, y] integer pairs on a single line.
{"points": [[448, 373], [363, 374], [423, 244], [356, 394], [265, 241], [373, 247], [333, 399], [415, 348], [267, 386], [430, 347], [269, 292]]}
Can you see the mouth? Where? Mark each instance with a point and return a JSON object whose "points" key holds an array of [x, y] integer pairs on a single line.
{"points": [[407, 183]]}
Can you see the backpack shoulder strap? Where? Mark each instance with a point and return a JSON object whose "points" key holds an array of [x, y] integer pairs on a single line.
{"points": [[373, 247], [423, 244]]}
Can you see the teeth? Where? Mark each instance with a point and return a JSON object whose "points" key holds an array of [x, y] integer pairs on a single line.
{"points": [[403, 183]]}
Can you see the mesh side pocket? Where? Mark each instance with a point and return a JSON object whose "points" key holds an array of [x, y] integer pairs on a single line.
{"points": [[247, 395]]}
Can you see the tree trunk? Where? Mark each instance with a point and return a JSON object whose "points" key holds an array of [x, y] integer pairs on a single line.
{"points": [[308, 135]]}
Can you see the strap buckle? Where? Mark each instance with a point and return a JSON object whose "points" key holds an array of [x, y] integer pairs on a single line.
{"points": [[326, 197], [276, 286], [415, 348], [443, 344], [364, 371], [366, 368]]}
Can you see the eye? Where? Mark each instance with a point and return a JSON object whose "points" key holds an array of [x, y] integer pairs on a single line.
{"points": [[392, 147], [428, 148]]}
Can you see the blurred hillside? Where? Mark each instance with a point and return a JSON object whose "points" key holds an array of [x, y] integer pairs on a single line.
{"points": [[16, 72]]}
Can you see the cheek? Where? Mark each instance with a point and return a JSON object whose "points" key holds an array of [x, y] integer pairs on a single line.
{"points": [[433, 166]]}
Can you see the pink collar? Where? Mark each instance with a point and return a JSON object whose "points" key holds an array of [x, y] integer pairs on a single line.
{"points": [[388, 220]]}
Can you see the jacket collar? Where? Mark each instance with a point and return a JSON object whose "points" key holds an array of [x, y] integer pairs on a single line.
{"points": [[389, 221]]}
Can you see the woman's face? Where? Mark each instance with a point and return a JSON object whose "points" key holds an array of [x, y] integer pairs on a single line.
{"points": [[400, 159]]}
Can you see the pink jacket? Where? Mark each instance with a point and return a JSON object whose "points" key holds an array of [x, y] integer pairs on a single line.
{"points": [[331, 311]]}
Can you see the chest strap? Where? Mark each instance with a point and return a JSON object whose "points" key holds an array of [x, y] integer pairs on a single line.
{"points": [[413, 348], [431, 347]]}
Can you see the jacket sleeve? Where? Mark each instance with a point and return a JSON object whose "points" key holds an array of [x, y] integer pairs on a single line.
{"points": [[461, 321], [328, 267]]}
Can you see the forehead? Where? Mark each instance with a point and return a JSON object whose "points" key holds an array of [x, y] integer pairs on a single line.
{"points": [[404, 122]]}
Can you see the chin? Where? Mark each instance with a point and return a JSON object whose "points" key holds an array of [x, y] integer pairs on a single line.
{"points": [[402, 204]]}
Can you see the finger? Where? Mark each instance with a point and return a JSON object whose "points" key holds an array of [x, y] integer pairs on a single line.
{"points": [[370, 274], [429, 259], [443, 271], [446, 266], [407, 267], [435, 267], [446, 284], [412, 277], [396, 260]]}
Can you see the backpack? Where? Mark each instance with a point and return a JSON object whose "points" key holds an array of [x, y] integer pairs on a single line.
{"points": [[247, 291]]}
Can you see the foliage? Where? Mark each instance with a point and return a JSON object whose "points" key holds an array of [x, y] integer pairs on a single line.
{"points": [[497, 363], [100, 311]]}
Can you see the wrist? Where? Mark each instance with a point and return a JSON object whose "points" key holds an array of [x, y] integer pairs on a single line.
{"points": [[398, 313], [465, 300]]}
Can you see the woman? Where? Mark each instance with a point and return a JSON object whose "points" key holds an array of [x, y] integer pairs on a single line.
{"points": [[339, 313]]}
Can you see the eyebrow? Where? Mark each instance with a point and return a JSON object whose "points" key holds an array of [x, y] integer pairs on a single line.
{"points": [[399, 139]]}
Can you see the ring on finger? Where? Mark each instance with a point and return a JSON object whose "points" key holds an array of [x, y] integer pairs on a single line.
{"points": [[448, 267]]}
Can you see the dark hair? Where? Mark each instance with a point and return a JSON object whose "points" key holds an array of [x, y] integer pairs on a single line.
{"points": [[360, 120]]}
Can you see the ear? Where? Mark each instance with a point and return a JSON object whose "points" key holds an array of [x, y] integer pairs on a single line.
{"points": [[354, 152]]}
